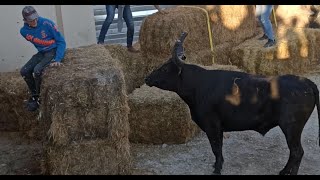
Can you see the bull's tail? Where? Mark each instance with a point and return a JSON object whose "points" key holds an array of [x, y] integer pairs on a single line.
{"points": [[316, 95]]}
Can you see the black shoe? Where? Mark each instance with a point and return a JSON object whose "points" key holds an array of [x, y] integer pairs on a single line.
{"points": [[33, 103], [263, 37], [270, 43]]}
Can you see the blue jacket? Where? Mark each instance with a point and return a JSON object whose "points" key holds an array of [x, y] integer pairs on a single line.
{"points": [[45, 37]]}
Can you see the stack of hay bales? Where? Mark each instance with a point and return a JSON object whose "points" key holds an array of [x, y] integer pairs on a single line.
{"points": [[296, 52], [84, 105], [14, 115], [230, 26], [134, 66], [159, 117]]}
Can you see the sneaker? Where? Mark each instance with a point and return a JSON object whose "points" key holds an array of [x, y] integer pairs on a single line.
{"points": [[263, 37], [100, 42], [132, 49], [33, 104], [270, 43]]}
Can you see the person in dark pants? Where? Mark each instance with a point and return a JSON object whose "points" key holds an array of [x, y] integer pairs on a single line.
{"points": [[263, 13], [127, 16], [49, 42]]}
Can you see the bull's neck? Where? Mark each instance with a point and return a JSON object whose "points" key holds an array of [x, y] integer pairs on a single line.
{"points": [[187, 85]]}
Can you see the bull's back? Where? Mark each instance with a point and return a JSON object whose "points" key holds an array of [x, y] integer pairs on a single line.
{"points": [[264, 102]]}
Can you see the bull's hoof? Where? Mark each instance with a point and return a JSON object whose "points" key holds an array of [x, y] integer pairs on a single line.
{"points": [[285, 172], [216, 172]]}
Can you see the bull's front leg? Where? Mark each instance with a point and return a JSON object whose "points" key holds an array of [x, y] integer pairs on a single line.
{"points": [[215, 135], [215, 140]]}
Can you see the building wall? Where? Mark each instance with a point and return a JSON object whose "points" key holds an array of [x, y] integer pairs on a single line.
{"points": [[75, 22], [78, 25]]}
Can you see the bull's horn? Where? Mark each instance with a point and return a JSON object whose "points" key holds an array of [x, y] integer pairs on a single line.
{"points": [[178, 52]]}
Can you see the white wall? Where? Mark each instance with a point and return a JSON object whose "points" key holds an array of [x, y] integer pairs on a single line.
{"points": [[78, 25], [15, 51]]}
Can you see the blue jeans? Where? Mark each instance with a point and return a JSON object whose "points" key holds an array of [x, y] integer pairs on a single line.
{"points": [[263, 13], [32, 70], [127, 16]]}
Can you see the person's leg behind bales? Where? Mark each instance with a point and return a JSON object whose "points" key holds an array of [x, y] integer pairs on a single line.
{"points": [[127, 16], [263, 13], [110, 9]]}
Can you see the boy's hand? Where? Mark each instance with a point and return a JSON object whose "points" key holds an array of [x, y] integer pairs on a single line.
{"points": [[54, 63]]}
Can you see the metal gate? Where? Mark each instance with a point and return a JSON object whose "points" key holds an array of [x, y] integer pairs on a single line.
{"points": [[139, 12]]}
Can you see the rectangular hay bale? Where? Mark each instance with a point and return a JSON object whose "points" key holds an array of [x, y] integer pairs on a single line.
{"points": [[96, 157], [231, 23], [134, 66], [158, 116], [160, 30]]}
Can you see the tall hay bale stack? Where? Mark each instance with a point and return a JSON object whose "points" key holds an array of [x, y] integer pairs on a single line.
{"points": [[86, 111], [159, 117], [134, 66], [159, 32], [294, 53], [292, 16], [13, 96]]}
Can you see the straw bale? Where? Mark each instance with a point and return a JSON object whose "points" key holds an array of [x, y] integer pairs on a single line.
{"points": [[85, 102], [134, 66], [13, 96], [95, 157], [295, 53], [222, 53], [292, 16], [204, 57], [231, 23], [158, 117], [160, 30]]}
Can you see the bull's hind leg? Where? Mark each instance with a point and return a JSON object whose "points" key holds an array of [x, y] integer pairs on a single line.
{"points": [[292, 133]]}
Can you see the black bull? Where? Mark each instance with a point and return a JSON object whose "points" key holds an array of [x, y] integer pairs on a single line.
{"points": [[222, 101]]}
